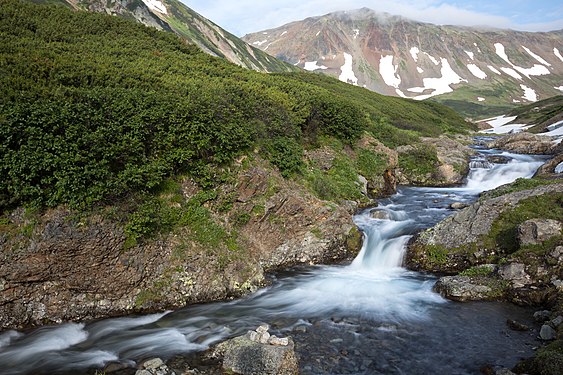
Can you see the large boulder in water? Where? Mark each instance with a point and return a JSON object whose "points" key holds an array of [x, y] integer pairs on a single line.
{"points": [[258, 353], [466, 288], [524, 143]]}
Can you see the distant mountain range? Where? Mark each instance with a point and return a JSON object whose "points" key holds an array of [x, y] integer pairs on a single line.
{"points": [[174, 16], [476, 71]]}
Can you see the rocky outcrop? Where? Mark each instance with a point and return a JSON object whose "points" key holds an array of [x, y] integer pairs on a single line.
{"points": [[524, 143], [536, 231], [61, 265], [466, 288], [258, 353]]}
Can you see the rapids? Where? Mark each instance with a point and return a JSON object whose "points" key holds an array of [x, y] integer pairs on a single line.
{"points": [[369, 317]]}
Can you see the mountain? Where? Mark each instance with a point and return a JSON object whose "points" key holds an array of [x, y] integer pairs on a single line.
{"points": [[476, 71], [174, 16]]}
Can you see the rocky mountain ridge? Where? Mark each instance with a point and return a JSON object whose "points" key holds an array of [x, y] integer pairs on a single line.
{"points": [[469, 69], [174, 16]]}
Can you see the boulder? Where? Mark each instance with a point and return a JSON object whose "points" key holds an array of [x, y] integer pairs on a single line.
{"points": [[154, 366], [536, 231], [458, 205], [497, 159], [380, 214], [515, 273], [465, 288], [524, 143], [253, 354], [547, 333]]}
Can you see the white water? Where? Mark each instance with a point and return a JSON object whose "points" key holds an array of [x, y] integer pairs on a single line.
{"points": [[373, 288]]}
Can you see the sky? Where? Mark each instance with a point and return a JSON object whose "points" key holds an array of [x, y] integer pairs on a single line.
{"points": [[241, 17]]}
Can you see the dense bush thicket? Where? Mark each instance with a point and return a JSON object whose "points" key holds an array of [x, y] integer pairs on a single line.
{"points": [[93, 107]]}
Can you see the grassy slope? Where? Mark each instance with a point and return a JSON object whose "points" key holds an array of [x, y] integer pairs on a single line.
{"points": [[94, 107]]}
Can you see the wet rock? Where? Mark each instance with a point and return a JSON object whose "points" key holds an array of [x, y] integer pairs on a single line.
{"points": [[243, 355], [516, 326], [498, 159], [547, 333], [536, 231], [551, 166], [464, 288], [155, 366], [556, 322], [458, 205], [380, 214], [504, 371], [524, 143], [542, 315]]}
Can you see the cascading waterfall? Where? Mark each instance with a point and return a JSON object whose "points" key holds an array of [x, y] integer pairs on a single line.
{"points": [[374, 288]]}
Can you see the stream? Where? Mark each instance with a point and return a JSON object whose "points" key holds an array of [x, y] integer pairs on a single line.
{"points": [[371, 316]]}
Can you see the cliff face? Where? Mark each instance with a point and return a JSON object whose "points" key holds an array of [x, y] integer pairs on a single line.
{"points": [[60, 265], [470, 69]]}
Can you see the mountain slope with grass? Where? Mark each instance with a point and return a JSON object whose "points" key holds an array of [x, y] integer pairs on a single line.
{"points": [[140, 173]]}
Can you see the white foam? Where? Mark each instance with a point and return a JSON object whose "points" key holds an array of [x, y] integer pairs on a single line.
{"points": [[538, 58], [512, 73], [476, 71], [156, 5], [347, 74], [529, 94], [494, 70], [414, 53], [559, 168], [312, 66], [557, 53], [388, 71], [470, 54]]}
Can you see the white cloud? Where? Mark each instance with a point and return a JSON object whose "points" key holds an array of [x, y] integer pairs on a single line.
{"points": [[246, 16]]}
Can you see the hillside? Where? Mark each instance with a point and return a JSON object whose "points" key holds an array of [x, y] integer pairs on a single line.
{"points": [[140, 173], [477, 72], [175, 16]]}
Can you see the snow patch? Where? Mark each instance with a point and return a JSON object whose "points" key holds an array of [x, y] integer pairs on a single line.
{"points": [[494, 70], [512, 73], [495, 122], [442, 84], [156, 5], [312, 66], [559, 168], [414, 53], [529, 94], [480, 99], [432, 59], [557, 53], [560, 88], [474, 69], [541, 61], [318, 33], [257, 43], [471, 55], [500, 125], [347, 74], [536, 70], [356, 33], [388, 71], [499, 49], [282, 34], [419, 69]]}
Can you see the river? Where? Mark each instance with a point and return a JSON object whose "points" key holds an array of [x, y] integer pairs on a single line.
{"points": [[371, 316]]}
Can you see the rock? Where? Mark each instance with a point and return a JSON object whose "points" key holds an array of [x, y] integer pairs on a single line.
{"points": [[557, 254], [504, 371], [153, 363], [515, 273], [322, 157], [154, 366], [542, 315], [516, 326], [551, 166], [523, 143], [244, 356], [363, 182], [458, 205], [536, 231], [263, 328], [464, 288], [557, 321], [547, 333], [380, 214], [498, 159], [279, 341]]}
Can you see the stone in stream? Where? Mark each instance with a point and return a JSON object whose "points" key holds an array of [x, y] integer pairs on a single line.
{"points": [[254, 354], [463, 288], [547, 333], [542, 315], [458, 205], [154, 366], [516, 326]]}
